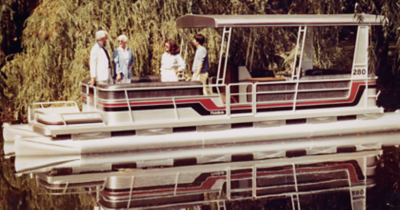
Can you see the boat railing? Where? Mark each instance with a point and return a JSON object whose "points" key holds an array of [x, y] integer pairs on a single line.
{"points": [[253, 93], [289, 94], [232, 96]]}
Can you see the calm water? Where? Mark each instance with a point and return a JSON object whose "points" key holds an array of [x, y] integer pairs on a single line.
{"points": [[22, 193]]}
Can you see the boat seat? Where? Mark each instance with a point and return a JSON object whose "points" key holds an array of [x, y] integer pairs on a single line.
{"points": [[69, 122], [322, 74], [326, 77], [53, 116], [314, 72], [56, 110]]}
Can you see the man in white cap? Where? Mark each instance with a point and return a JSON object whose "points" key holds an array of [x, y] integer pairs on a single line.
{"points": [[100, 63]]}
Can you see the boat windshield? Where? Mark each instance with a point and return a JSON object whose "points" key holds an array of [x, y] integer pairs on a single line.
{"points": [[271, 52]]}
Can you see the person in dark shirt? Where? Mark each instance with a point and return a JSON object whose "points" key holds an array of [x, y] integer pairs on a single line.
{"points": [[200, 63]]}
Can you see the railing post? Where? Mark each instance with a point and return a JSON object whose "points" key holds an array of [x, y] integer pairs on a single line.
{"points": [[66, 187], [228, 99], [228, 183], [129, 105], [175, 109], [97, 194], [65, 123], [254, 98], [254, 181], [130, 191], [176, 183], [295, 185]]}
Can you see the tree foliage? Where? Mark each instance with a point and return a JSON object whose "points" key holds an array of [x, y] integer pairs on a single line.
{"points": [[59, 34]]}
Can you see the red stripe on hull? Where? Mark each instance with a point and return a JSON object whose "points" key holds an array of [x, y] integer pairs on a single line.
{"points": [[210, 105]]}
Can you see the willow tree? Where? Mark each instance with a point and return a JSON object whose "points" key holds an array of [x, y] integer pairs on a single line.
{"points": [[59, 34], [12, 16]]}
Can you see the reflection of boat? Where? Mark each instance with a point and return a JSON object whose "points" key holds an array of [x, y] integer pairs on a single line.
{"points": [[118, 184]]}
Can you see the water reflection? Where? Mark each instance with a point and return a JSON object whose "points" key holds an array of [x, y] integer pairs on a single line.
{"points": [[114, 181]]}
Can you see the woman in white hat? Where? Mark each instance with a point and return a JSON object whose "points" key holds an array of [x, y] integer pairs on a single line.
{"points": [[123, 60]]}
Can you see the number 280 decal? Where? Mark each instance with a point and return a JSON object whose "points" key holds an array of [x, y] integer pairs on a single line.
{"points": [[359, 72]]}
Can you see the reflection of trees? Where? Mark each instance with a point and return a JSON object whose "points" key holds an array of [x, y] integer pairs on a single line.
{"points": [[22, 192]]}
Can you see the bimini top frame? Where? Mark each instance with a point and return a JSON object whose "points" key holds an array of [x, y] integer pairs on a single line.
{"points": [[227, 22], [220, 21]]}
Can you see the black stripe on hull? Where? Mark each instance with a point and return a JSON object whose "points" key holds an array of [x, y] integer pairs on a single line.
{"points": [[354, 163], [353, 103]]}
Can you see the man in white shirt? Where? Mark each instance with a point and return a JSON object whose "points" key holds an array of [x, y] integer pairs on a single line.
{"points": [[100, 65], [200, 63]]}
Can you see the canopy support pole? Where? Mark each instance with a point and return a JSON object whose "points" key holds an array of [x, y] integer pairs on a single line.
{"points": [[227, 52], [229, 32], [252, 51]]}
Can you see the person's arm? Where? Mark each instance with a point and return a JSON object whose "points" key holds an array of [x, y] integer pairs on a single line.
{"points": [[93, 65], [118, 69], [162, 62], [181, 64], [132, 61], [195, 75], [201, 56]]}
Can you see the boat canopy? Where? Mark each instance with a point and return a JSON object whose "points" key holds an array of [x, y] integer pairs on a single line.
{"points": [[217, 21]]}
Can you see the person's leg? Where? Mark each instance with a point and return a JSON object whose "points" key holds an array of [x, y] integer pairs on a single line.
{"points": [[203, 80]]}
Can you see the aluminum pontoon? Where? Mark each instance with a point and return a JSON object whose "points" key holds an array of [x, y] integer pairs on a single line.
{"points": [[242, 117]]}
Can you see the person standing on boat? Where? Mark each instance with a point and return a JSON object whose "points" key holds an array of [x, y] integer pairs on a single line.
{"points": [[100, 63], [200, 63], [123, 60], [171, 62]]}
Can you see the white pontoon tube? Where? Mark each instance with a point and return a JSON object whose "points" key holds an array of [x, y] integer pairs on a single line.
{"points": [[379, 131]]}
